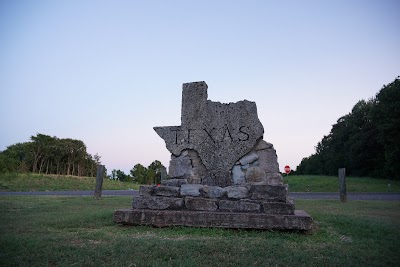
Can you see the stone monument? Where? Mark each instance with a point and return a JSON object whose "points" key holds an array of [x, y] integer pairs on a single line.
{"points": [[222, 173]]}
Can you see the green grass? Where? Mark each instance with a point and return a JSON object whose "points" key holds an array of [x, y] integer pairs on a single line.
{"points": [[299, 183], [37, 182], [314, 183], [66, 231]]}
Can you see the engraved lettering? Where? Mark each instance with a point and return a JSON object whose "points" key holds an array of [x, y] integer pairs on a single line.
{"points": [[188, 136], [176, 135], [209, 134], [243, 132], [229, 134]]}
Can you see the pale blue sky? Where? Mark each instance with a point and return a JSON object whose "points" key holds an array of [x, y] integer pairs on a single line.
{"points": [[106, 72]]}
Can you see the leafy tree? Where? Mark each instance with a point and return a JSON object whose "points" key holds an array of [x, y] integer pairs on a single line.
{"points": [[154, 170], [50, 155], [120, 175], [140, 174], [386, 115], [114, 175], [17, 157], [37, 149], [366, 141]]}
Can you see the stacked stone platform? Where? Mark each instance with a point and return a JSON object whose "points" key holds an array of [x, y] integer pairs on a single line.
{"points": [[256, 206]]}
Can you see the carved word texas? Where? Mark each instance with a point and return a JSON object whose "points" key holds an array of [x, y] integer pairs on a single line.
{"points": [[212, 134], [220, 133]]}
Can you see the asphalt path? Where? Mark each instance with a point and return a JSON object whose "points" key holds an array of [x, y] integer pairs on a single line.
{"points": [[387, 196]]}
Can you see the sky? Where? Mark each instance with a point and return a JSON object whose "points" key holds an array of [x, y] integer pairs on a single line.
{"points": [[107, 72]]}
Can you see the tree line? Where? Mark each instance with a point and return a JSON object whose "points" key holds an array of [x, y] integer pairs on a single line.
{"points": [[366, 141], [140, 174], [46, 154]]}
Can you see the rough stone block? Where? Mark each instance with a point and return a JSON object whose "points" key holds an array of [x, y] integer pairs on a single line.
{"points": [[249, 158], [191, 190], [198, 203], [275, 193], [236, 192], [263, 145], [162, 218], [239, 206], [255, 174], [166, 191], [245, 167], [198, 167], [180, 167], [274, 178], [157, 203], [238, 176], [146, 190], [268, 160], [213, 191], [277, 207], [174, 182], [194, 180]]}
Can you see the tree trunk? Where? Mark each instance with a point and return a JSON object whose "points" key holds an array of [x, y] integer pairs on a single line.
{"points": [[41, 166], [68, 167], [47, 167], [35, 162]]}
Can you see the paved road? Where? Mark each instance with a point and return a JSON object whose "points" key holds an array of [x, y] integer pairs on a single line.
{"points": [[296, 195], [73, 193], [350, 196]]}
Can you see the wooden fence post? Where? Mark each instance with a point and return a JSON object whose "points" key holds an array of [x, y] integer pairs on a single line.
{"points": [[163, 174], [99, 181], [342, 185]]}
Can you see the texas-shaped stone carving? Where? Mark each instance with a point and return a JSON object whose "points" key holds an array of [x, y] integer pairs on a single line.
{"points": [[220, 133], [222, 173]]}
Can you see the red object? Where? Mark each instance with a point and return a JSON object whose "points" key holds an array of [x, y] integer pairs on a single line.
{"points": [[287, 169]]}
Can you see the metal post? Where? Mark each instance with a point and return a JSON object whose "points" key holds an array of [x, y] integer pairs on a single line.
{"points": [[342, 185], [99, 181]]}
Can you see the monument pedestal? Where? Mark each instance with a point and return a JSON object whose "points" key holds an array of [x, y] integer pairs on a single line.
{"points": [[300, 220], [251, 206]]}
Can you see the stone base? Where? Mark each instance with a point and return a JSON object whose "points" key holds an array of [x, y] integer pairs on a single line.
{"points": [[163, 218]]}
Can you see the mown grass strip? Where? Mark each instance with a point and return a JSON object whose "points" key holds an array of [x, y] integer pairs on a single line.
{"points": [[316, 183], [39, 182], [299, 183]]}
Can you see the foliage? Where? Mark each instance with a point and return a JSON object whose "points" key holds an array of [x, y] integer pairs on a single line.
{"points": [[155, 171], [150, 175], [140, 174], [120, 176], [366, 141], [76, 231], [49, 155]]}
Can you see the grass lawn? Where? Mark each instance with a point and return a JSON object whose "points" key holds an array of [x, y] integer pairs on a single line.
{"points": [[299, 183], [79, 231], [315, 183], [38, 182]]}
